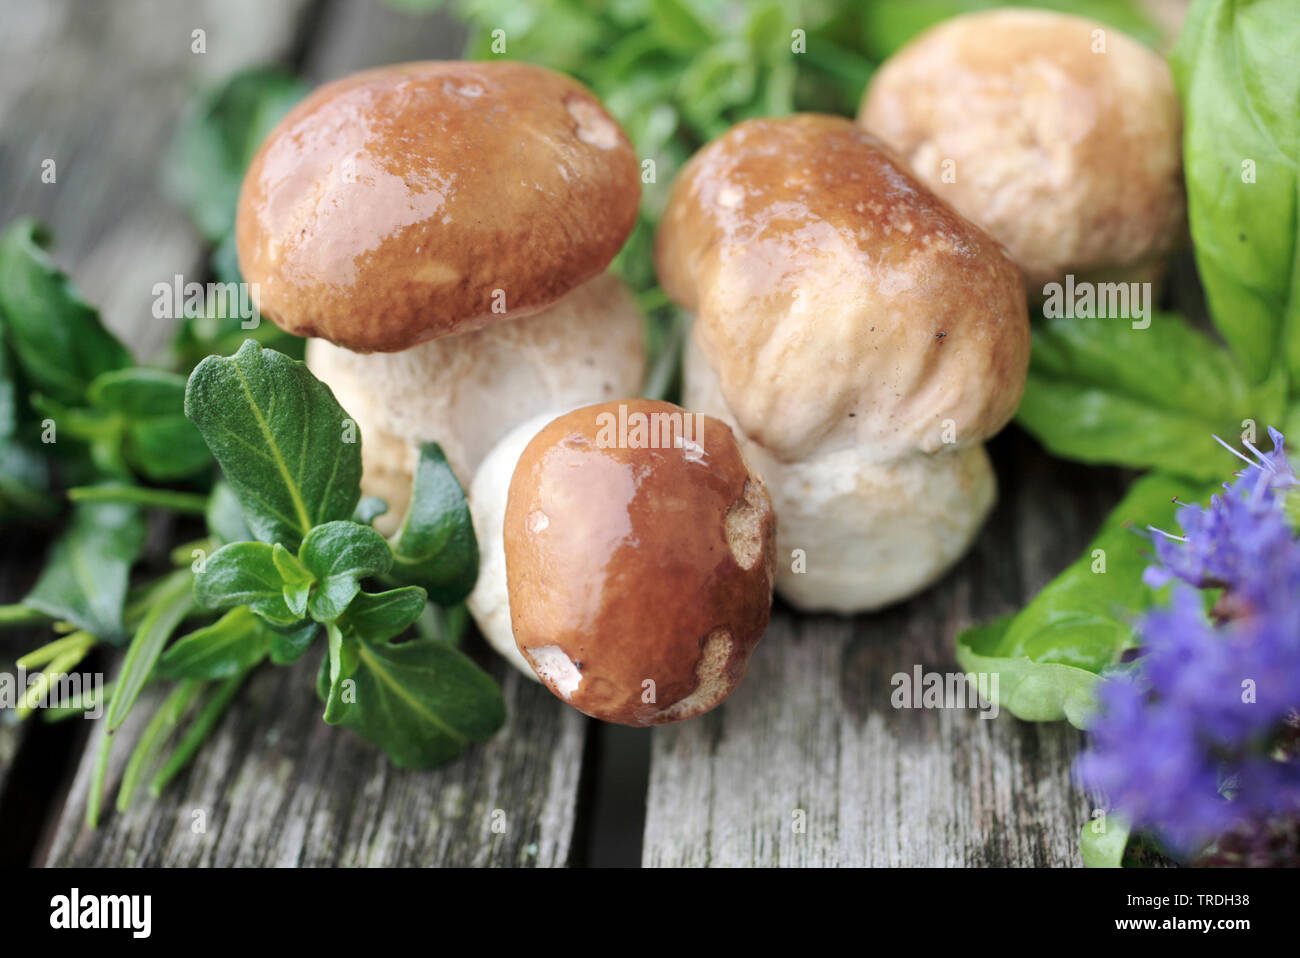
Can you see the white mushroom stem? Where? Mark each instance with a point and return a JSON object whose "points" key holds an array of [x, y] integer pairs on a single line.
{"points": [[489, 603], [855, 534], [467, 391]]}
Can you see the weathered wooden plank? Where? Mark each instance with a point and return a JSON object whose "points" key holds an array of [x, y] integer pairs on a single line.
{"points": [[808, 763], [276, 786], [97, 88]]}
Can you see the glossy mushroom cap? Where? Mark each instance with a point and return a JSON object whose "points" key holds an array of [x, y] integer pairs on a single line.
{"points": [[410, 202], [1058, 135], [839, 301], [639, 560]]}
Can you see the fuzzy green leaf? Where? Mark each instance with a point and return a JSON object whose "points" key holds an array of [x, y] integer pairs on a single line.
{"points": [[280, 438], [435, 547], [421, 701], [235, 642], [85, 577]]}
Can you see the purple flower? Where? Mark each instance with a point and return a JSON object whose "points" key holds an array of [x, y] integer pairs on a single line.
{"points": [[1190, 745]]}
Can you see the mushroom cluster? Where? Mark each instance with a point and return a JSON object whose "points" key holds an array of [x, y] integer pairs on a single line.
{"points": [[863, 338], [442, 230]]}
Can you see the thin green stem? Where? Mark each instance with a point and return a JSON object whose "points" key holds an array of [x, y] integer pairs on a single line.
{"points": [[17, 615], [141, 496], [154, 737], [65, 662], [97, 777], [199, 730], [174, 600], [52, 650]]}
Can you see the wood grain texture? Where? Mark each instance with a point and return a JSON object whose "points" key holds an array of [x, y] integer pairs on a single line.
{"points": [[275, 786], [809, 764], [98, 88]]}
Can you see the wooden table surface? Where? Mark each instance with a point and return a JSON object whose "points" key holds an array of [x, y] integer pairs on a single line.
{"points": [[807, 764]]}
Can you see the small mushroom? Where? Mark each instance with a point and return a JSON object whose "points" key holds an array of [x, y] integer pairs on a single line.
{"points": [[637, 551], [1060, 136], [489, 603], [443, 229], [862, 337]]}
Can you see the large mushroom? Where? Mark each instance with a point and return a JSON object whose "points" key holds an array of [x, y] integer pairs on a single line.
{"points": [[443, 229], [863, 338], [1060, 136], [637, 547]]}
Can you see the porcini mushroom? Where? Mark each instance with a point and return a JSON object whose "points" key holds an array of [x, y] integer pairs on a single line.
{"points": [[1058, 135], [638, 553], [863, 338], [443, 229]]}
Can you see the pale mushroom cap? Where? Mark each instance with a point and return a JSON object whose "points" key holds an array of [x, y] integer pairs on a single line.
{"points": [[415, 201], [840, 302], [638, 560], [489, 603], [466, 392], [1068, 155], [867, 533]]}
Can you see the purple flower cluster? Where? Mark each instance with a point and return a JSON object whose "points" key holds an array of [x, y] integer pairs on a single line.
{"points": [[1188, 746]]}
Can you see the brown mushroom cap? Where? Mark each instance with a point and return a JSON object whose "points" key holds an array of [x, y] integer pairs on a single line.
{"points": [[839, 301], [640, 579], [409, 202], [1067, 151]]}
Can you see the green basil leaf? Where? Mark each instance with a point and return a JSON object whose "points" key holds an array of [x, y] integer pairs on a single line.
{"points": [[339, 555], [1236, 71], [24, 483], [1105, 848], [235, 642], [420, 701], [244, 573], [435, 547], [216, 141], [340, 666], [1100, 391], [288, 647], [86, 574], [225, 518], [278, 433], [1049, 656], [56, 336], [297, 580], [160, 443], [378, 617], [24, 474], [1029, 690]]}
